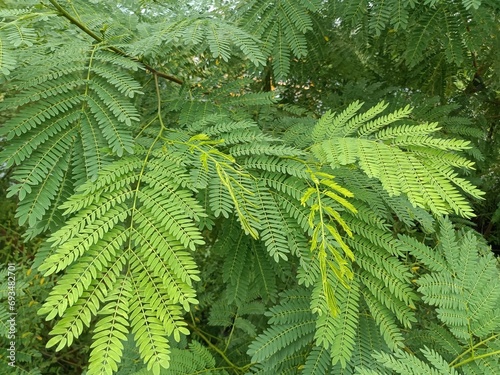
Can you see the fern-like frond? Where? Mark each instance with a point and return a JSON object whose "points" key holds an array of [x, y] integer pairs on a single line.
{"points": [[386, 321], [111, 331], [317, 362], [104, 237], [201, 33], [369, 340], [234, 271], [148, 330], [282, 27], [465, 292], [272, 224], [338, 333], [194, 359], [264, 275], [201, 211], [405, 363], [64, 124], [392, 273], [292, 328], [413, 173], [7, 58]]}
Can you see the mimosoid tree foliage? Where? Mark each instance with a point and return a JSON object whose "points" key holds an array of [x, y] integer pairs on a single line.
{"points": [[252, 187]]}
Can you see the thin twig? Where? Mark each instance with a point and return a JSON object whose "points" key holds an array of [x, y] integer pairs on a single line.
{"points": [[120, 52]]}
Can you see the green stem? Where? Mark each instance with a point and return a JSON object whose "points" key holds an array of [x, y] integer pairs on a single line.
{"points": [[10, 230], [214, 347], [474, 358], [146, 126], [230, 333], [158, 95], [118, 51], [471, 349], [146, 159]]}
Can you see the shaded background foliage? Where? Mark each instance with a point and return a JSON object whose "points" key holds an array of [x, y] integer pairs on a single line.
{"points": [[255, 69]]}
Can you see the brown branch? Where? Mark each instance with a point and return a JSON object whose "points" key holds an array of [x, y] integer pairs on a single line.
{"points": [[118, 51]]}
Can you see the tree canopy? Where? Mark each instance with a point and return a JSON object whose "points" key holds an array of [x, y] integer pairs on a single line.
{"points": [[251, 187]]}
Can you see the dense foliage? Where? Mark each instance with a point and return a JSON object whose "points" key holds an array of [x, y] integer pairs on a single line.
{"points": [[251, 187]]}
